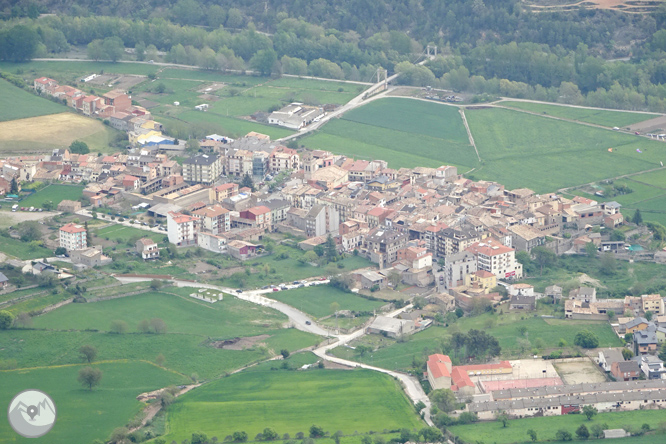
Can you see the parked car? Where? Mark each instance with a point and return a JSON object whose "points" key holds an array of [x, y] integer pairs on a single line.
{"points": [[276, 289], [239, 291], [308, 323]]}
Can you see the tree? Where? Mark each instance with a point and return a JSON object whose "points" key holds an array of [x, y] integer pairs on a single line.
{"points": [[611, 314], [316, 431], [627, 354], [13, 187], [589, 411], [119, 434], [608, 264], [158, 326], [503, 418], [199, 438], [637, 218], [444, 399], [89, 238], [532, 434], [23, 320], [563, 435], [330, 248], [586, 339], [239, 436], [285, 353], [269, 434], [114, 48], [459, 312], [6, 320], [144, 326], [118, 327], [48, 205], [156, 284], [29, 231], [458, 340], [90, 377], [363, 349], [263, 61], [310, 257], [192, 146], [431, 434], [88, 353], [544, 257], [591, 249], [247, 182], [78, 147], [394, 278], [95, 50], [582, 432], [648, 315], [159, 360], [18, 44]]}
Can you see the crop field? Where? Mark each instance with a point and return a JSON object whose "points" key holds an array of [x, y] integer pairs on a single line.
{"points": [[399, 355], [121, 233], [290, 402], [520, 150], [55, 193], [53, 131], [74, 69], [404, 132], [606, 118], [317, 300], [546, 427], [24, 104], [84, 416]]}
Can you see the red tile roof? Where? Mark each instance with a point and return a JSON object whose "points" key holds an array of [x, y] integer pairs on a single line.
{"points": [[437, 365], [73, 228]]}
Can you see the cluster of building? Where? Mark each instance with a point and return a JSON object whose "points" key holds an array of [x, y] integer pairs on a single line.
{"points": [[114, 106], [74, 238]]}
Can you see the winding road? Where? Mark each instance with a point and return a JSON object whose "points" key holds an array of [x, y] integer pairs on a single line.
{"points": [[305, 323]]}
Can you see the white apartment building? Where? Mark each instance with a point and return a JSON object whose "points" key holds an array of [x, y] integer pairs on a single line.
{"points": [[495, 257], [73, 237], [214, 219], [181, 229]]}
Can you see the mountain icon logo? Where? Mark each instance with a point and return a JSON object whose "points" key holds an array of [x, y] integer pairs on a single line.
{"points": [[32, 413]]}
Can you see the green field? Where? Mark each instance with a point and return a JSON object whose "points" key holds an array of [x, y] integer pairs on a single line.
{"points": [[24, 104], [290, 402], [121, 233], [400, 355], [241, 96], [383, 129], [521, 150], [84, 416], [23, 250], [606, 118], [55, 193], [228, 318], [317, 301], [286, 270], [546, 427]]}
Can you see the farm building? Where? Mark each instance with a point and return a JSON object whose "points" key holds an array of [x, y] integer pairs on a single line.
{"points": [[296, 116], [391, 327]]}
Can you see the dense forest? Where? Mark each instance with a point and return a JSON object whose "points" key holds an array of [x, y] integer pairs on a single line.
{"points": [[489, 48]]}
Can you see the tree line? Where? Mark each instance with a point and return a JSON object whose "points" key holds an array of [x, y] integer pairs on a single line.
{"points": [[558, 60]]}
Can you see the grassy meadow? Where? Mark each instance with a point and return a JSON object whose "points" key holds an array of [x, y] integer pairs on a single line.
{"points": [[317, 300], [290, 402], [84, 416], [608, 118], [56, 193], [23, 250], [122, 234]]}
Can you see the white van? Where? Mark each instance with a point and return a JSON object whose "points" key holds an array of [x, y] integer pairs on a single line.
{"points": [[15, 207]]}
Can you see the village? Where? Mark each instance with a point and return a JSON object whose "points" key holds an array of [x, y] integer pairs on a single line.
{"points": [[453, 241]]}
